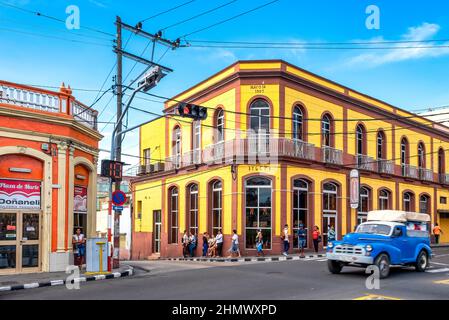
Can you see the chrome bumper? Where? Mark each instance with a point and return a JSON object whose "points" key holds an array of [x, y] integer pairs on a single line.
{"points": [[350, 258]]}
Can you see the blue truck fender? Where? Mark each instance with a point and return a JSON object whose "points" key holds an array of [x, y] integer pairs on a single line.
{"points": [[423, 246]]}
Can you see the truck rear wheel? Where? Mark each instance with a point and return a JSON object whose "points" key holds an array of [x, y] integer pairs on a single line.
{"points": [[383, 263], [334, 266], [422, 262]]}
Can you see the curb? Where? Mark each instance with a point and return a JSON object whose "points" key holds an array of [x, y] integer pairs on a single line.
{"points": [[247, 259], [60, 282]]}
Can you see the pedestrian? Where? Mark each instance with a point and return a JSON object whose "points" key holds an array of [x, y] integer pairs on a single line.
{"points": [[185, 244], [259, 243], [212, 252], [331, 234], [79, 247], [205, 243], [316, 236], [302, 237], [286, 241], [192, 244], [219, 241], [437, 232], [235, 245]]}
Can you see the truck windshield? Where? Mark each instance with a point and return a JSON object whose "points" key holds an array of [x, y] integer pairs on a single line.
{"points": [[373, 228]]}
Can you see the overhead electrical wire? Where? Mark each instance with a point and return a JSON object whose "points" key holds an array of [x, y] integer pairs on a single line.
{"points": [[167, 11]]}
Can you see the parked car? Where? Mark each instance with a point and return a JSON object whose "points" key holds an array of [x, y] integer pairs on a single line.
{"points": [[387, 238]]}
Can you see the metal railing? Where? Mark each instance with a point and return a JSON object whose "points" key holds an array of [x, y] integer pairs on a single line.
{"points": [[296, 149], [409, 171], [425, 174], [385, 166], [364, 162], [444, 178], [84, 115], [332, 155]]}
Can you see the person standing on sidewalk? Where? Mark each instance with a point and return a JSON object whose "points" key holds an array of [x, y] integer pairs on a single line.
{"points": [[316, 238], [302, 236], [192, 244], [79, 244], [259, 243], [235, 245], [331, 234], [286, 241], [437, 232], [185, 244], [219, 240], [205, 243]]}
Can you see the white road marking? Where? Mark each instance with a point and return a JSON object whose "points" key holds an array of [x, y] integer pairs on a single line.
{"points": [[438, 270], [440, 264]]}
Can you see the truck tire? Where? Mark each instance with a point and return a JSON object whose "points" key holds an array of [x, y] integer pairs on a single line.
{"points": [[422, 262], [334, 266], [383, 263]]}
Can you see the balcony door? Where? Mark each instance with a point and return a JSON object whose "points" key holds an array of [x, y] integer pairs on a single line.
{"points": [[20, 241], [260, 126]]}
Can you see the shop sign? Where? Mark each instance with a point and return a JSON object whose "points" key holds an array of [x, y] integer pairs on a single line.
{"points": [[80, 200], [354, 188], [18, 194]]}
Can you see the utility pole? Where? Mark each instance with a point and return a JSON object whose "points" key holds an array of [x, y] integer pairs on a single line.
{"points": [[149, 79], [118, 153]]}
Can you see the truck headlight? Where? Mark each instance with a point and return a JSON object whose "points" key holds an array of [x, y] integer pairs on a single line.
{"points": [[369, 248]]}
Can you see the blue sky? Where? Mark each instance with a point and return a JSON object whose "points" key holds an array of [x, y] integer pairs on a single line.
{"points": [[411, 79]]}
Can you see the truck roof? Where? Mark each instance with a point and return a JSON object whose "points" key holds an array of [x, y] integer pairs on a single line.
{"points": [[397, 216]]}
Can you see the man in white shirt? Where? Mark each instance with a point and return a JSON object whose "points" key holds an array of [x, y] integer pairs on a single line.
{"points": [[285, 238], [219, 240]]}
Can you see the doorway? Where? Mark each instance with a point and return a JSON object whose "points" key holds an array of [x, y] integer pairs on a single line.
{"points": [[328, 221], [20, 245], [157, 230]]}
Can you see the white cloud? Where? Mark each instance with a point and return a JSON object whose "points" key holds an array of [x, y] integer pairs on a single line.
{"points": [[425, 31], [98, 3]]}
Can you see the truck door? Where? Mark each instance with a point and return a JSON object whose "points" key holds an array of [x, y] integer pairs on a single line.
{"points": [[400, 241]]}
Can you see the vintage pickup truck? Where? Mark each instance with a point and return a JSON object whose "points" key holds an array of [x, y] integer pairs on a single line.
{"points": [[387, 238]]}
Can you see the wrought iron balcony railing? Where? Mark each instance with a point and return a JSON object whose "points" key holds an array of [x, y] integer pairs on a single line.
{"points": [[385, 166], [332, 155], [409, 171], [365, 163]]}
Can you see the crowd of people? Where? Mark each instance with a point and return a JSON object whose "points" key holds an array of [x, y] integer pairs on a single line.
{"points": [[212, 244]]}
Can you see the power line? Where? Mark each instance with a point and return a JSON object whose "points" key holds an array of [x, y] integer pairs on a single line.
{"points": [[198, 15], [40, 14], [319, 48], [167, 11], [229, 19]]}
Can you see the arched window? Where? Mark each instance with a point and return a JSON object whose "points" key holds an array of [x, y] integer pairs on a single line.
{"points": [[176, 147], [384, 200], [404, 156], [326, 128], [298, 125], [219, 120], [364, 206], [330, 193], [408, 202], [360, 140], [260, 126], [441, 162], [300, 207], [173, 207], [193, 208], [216, 206], [421, 155], [258, 203], [424, 204], [381, 146]]}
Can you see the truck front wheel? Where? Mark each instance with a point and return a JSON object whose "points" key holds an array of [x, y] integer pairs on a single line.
{"points": [[334, 266], [422, 262], [383, 263]]}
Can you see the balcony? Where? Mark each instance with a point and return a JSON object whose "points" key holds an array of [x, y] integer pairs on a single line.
{"points": [[59, 103], [409, 171], [385, 166], [444, 178], [425, 174], [332, 156], [297, 149], [191, 158], [365, 163]]}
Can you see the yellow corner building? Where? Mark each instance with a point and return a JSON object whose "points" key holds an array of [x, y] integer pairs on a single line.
{"points": [[276, 149]]}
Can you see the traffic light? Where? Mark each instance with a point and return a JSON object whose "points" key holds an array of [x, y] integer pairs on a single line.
{"points": [[112, 169], [192, 111]]}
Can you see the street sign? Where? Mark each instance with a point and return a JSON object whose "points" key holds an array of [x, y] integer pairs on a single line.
{"points": [[117, 208], [118, 198], [354, 184]]}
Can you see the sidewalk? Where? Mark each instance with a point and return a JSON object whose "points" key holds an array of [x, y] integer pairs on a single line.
{"points": [[440, 245], [46, 279]]}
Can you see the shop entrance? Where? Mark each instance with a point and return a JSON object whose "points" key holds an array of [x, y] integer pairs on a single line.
{"points": [[20, 245]]}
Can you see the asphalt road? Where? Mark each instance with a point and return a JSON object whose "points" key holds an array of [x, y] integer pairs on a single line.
{"points": [[307, 279]]}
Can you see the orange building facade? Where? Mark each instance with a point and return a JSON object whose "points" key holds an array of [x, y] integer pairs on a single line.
{"points": [[48, 163]]}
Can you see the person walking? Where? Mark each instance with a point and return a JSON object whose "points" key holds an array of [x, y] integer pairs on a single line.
{"points": [[205, 243], [192, 244], [259, 243], [437, 232], [235, 245], [316, 236], [286, 241], [185, 244], [331, 236], [79, 246], [219, 241], [302, 236]]}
